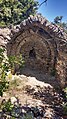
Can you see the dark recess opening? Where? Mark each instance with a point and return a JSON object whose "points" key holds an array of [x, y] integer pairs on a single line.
{"points": [[32, 53]]}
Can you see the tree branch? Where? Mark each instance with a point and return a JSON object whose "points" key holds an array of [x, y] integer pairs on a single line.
{"points": [[42, 3]]}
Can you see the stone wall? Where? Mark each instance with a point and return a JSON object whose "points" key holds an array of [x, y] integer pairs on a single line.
{"points": [[43, 45]]}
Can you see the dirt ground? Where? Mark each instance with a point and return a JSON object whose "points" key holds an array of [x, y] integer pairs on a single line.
{"points": [[34, 88]]}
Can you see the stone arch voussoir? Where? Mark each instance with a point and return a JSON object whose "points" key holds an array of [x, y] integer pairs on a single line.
{"points": [[48, 41]]}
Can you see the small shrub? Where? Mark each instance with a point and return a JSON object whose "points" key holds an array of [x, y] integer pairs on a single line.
{"points": [[3, 72], [7, 64], [14, 83], [65, 108], [9, 77], [3, 86], [15, 60], [6, 106]]}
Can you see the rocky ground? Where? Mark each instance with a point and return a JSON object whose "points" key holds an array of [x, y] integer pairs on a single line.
{"points": [[35, 94]]}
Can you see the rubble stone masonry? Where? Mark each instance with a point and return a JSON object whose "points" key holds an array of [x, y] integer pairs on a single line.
{"points": [[43, 45]]}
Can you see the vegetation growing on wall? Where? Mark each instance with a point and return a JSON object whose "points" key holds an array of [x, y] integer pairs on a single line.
{"points": [[7, 64], [58, 21]]}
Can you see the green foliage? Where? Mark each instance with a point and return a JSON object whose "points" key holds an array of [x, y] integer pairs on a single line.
{"points": [[3, 72], [14, 11], [65, 108], [3, 86], [58, 21], [14, 110], [14, 83], [65, 90], [7, 64], [7, 106], [64, 26], [27, 116], [13, 60]]}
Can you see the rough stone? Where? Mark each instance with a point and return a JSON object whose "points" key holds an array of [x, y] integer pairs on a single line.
{"points": [[42, 45]]}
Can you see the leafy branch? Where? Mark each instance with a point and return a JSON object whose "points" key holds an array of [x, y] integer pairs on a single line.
{"points": [[6, 65]]}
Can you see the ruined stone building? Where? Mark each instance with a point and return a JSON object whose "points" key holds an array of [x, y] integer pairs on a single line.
{"points": [[43, 45]]}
